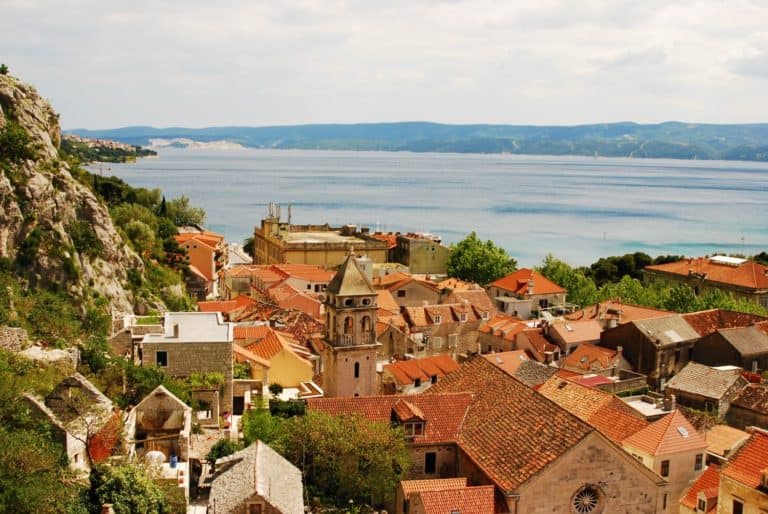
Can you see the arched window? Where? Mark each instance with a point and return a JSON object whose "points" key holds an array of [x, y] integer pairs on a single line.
{"points": [[365, 324], [348, 325], [357, 370]]}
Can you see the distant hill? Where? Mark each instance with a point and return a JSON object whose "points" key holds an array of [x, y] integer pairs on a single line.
{"points": [[674, 140]]}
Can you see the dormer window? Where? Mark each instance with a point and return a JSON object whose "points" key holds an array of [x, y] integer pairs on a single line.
{"points": [[463, 317], [486, 315], [413, 428], [438, 319], [702, 507]]}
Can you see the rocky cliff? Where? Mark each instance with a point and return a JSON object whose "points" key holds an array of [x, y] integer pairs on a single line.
{"points": [[53, 228]]}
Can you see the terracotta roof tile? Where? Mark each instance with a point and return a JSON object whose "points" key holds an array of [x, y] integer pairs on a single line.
{"points": [[510, 432], [588, 357], [477, 298], [217, 306], [406, 372], [706, 322], [539, 344], [241, 354], [671, 434], [578, 331], [517, 283], [507, 361], [708, 482], [469, 500], [618, 310], [439, 484], [754, 397], [384, 281], [243, 332], [750, 274], [269, 346], [444, 413], [751, 460], [600, 409]]}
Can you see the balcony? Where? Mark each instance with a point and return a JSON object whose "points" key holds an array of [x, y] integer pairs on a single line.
{"points": [[348, 339]]}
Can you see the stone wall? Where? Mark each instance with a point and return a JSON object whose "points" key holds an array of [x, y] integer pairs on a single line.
{"points": [[13, 339], [445, 462]]}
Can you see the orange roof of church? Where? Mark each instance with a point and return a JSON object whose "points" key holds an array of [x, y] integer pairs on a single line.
{"points": [[671, 434], [748, 464], [517, 283], [708, 483], [750, 274]]}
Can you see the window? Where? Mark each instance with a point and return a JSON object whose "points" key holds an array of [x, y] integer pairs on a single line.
{"points": [[665, 468], [357, 370], [366, 301], [587, 500], [417, 382], [434, 379], [413, 429], [664, 502], [430, 463], [437, 343], [254, 508], [702, 505], [161, 358], [738, 507], [438, 319], [406, 504], [462, 317], [452, 340], [699, 462], [309, 287], [485, 314], [349, 302], [401, 293]]}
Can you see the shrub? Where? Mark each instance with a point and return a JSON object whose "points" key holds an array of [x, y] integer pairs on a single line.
{"points": [[222, 448], [15, 145]]}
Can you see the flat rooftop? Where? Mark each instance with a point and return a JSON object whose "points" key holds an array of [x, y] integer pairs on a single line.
{"points": [[320, 237], [193, 327]]}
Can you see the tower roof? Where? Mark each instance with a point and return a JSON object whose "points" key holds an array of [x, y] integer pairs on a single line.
{"points": [[350, 280]]}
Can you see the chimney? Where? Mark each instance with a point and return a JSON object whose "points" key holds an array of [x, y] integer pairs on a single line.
{"points": [[670, 403], [175, 330], [530, 285]]}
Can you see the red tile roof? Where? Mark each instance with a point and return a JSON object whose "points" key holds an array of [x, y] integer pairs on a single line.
{"points": [[539, 344], [708, 483], [251, 332], [510, 432], [407, 372], [268, 346], [241, 355], [517, 283], [384, 281], [386, 301], [307, 272], [468, 500], [706, 322], [439, 484], [750, 274], [444, 413], [507, 361], [671, 434], [602, 410], [217, 306], [751, 460], [504, 326], [589, 357], [618, 310], [477, 298], [754, 397]]}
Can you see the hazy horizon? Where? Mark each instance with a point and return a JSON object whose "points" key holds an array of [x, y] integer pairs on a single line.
{"points": [[193, 64]]}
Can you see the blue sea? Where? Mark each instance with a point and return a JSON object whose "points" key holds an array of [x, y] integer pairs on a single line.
{"points": [[576, 208]]}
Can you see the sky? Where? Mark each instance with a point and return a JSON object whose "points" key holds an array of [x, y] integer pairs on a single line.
{"points": [[198, 63]]}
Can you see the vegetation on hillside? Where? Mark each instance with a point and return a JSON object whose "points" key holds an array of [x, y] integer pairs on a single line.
{"points": [[103, 153]]}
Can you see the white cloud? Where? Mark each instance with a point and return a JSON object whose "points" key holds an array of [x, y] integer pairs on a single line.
{"points": [[194, 63]]}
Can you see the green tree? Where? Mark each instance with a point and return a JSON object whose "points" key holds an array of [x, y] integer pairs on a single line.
{"points": [[761, 258], [3, 69], [473, 260], [129, 488], [182, 213], [581, 289], [15, 144], [260, 425], [346, 457], [141, 235], [631, 290], [248, 245], [222, 448], [682, 298]]}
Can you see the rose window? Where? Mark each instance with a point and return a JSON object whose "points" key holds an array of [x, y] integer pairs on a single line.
{"points": [[586, 501]]}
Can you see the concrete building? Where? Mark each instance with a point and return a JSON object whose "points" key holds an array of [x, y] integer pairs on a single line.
{"points": [[276, 242], [738, 277], [349, 357], [422, 253], [193, 342]]}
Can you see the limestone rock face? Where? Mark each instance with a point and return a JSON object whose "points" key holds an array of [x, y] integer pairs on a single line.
{"points": [[40, 201]]}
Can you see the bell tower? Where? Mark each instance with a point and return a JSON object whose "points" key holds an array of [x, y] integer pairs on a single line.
{"points": [[349, 358]]}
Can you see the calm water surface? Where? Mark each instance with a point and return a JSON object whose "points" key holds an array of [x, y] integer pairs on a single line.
{"points": [[576, 208]]}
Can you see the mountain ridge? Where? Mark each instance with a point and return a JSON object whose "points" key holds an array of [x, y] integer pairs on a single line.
{"points": [[671, 139]]}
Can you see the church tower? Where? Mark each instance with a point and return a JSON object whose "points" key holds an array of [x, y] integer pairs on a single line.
{"points": [[349, 358]]}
